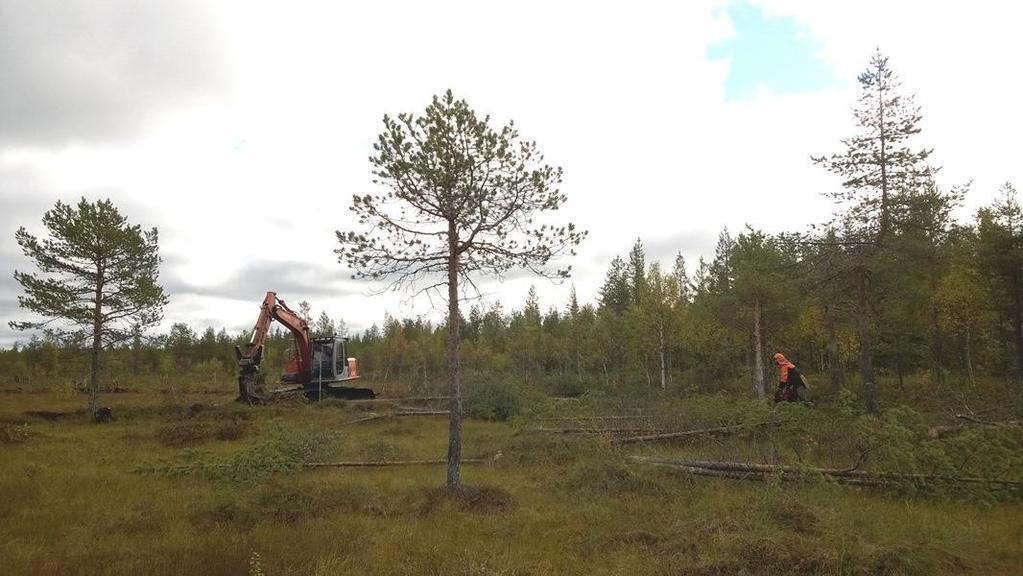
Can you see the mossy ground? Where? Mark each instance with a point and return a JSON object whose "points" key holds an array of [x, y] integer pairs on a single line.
{"points": [[84, 498]]}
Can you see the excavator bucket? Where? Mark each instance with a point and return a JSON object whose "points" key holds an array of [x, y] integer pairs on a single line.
{"points": [[252, 386]]}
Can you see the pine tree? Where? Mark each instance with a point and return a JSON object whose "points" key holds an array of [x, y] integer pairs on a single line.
{"points": [[461, 198], [879, 171], [97, 279], [761, 289]]}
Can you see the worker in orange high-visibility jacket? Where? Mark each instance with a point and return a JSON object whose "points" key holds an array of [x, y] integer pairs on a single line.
{"points": [[791, 384]]}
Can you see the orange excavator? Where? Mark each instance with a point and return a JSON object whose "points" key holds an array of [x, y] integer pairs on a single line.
{"points": [[317, 366]]}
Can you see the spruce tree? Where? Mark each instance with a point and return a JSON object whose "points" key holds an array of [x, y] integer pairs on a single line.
{"points": [[637, 273]]}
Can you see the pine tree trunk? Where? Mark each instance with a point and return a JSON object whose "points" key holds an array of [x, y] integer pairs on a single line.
{"points": [[97, 343], [454, 365], [758, 352], [937, 351], [863, 325], [834, 358], [968, 357]]}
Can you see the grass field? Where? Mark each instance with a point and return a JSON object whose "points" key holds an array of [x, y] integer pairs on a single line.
{"points": [[199, 485]]}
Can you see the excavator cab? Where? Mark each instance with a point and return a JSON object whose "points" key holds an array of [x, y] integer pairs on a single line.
{"points": [[330, 365], [330, 361]]}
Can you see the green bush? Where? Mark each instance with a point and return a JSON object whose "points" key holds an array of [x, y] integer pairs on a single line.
{"points": [[281, 452], [495, 400]]}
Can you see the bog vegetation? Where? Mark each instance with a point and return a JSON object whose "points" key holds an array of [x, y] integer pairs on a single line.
{"points": [[195, 483]]}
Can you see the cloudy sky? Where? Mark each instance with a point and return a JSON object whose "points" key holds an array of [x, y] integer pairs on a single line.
{"points": [[242, 129]]}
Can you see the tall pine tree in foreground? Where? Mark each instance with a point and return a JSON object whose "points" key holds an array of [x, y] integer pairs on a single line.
{"points": [[97, 279], [880, 170], [459, 199]]}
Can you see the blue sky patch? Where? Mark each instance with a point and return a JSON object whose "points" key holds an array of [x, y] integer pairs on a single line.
{"points": [[776, 53]]}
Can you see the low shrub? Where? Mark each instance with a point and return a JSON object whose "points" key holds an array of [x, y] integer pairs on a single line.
{"points": [[609, 477], [527, 449], [11, 433], [478, 499], [229, 430], [184, 433], [281, 452], [496, 400]]}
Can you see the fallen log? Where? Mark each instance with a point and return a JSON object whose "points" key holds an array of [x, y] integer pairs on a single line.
{"points": [[380, 464], [396, 414], [422, 413], [367, 419], [795, 473], [967, 423], [582, 418], [760, 476], [686, 433], [547, 430]]}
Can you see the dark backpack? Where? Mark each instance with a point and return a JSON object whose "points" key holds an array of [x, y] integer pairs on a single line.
{"points": [[799, 386]]}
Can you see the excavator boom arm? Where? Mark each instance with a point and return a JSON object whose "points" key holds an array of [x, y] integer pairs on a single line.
{"points": [[274, 308]]}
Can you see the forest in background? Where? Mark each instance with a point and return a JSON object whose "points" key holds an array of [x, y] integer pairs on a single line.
{"points": [[947, 308]]}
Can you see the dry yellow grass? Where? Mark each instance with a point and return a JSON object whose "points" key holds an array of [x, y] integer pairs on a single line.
{"points": [[73, 502]]}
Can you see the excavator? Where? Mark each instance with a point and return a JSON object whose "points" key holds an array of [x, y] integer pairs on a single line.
{"points": [[316, 368]]}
